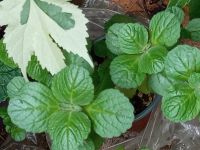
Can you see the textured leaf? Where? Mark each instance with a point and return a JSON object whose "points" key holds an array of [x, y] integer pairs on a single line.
{"points": [[33, 107], [14, 87], [4, 56], [178, 3], [45, 38], [182, 61], [75, 59], [16, 133], [194, 28], [152, 61], [68, 130], [160, 84], [87, 145], [112, 38], [118, 18], [133, 38], [177, 12], [194, 82], [164, 29], [111, 113], [125, 73], [181, 104], [73, 85], [36, 72], [6, 75]]}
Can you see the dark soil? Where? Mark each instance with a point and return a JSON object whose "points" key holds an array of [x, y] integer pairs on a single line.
{"points": [[3, 134], [141, 101]]}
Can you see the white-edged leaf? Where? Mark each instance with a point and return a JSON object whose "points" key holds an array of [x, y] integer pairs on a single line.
{"points": [[41, 34]]}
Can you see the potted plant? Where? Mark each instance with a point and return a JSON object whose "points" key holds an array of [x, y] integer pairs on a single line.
{"points": [[60, 91]]}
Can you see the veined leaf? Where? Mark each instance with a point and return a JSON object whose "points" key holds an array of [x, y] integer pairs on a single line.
{"points": [[194, 28], [164, 29], [68, 130], [178, 12], [178, 3], [73, 85], [125, 72], [109, 118], [44, 38], [87, 145]]}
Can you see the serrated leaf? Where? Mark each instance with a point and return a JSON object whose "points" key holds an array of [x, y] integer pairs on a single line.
{"points": [[14, 87], [194, 28], [152, 61], [177, 12], [4, 56], [6, 75], [68, 130], [73, 85], [133, 38], [63, 19], [45, 38], [182, 61], [125, 72], [164, 29], [181, 104], [112, 38], [160, 84], [87, 145], [74, 59], [35, 104], [108, 117], [178, 3], [36, 72]]}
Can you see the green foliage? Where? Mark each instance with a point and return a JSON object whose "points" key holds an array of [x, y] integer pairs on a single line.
{"points": [[16, 133], [141, 51], [194, 6], [179, 84], [178, 3], [194, 28], [68, 110]]}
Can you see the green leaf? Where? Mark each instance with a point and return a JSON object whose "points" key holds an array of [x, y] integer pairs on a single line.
{"points": [[181, 104], [33, 107], [144, 87], [194, 6], [74, 59], [16, 133], [118, 18], [87, 145], [133, 38], [63, 19], [160, 84], [6, 75], [177, 12], [125, 72], [111, 113], [164, 29], [14, 87], [112, 38], [178, 3], [4, 56], [97, 140], [36, 72], [101, 50], [104, 78], [194, 82], [25, 12], [152, 61], [73, 85], [68, 130], [182, 61], [194, 28]]}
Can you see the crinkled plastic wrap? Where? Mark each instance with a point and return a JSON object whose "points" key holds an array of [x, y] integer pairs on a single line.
{"points": [[161, 134]]}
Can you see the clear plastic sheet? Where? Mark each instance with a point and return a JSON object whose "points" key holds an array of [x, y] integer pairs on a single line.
{"points": [[161, 134]]}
